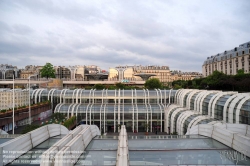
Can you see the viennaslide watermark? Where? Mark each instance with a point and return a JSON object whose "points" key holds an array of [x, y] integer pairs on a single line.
{"points": [[233, 155]]}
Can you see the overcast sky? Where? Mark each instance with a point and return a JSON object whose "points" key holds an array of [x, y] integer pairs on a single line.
{"points": [[178, 33]]}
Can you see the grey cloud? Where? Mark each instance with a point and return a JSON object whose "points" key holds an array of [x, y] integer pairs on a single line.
{"points": [[22, 48], [4, 27], [86, 13], [22, 29], [138, 27], [111, 33], [19, 29]]}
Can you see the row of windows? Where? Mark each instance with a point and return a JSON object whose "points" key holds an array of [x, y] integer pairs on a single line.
{"points": [[230, 56]]}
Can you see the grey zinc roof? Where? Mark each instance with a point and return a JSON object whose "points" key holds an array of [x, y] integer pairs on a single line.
{"points": [[227, 53]]}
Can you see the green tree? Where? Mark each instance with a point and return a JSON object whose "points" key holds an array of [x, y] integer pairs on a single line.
{"points": [[215, 80], [196, 83], [240, 72], [99, 86], [120, 85], [179, 84], [111, 87], [48, 71], [153, 83], [218, 81], [176, 86], [88, 87]]}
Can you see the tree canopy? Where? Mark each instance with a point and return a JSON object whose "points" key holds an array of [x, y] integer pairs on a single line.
{"points": [[153, 83], [112, 87], [48, 71], [214, 81], [120, 85], [218, 81], [99, 86], [240, 72]]}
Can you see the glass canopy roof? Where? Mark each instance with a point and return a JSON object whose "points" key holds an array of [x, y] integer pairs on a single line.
{"points": [[32, 157], [197, 150], [3, 140], [102, 150], [147, 150]]}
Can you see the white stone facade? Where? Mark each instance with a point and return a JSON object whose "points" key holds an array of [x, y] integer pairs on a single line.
{"points": [[229, 62], [6, 98]]}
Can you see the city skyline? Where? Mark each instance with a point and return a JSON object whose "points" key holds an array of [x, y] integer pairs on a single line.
{"points": [[174, 33]]}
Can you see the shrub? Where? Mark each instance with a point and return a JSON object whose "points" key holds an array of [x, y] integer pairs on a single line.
{"points": [[46, 102], [99, 86], [58, 116], [69, 122], [3, 111]]}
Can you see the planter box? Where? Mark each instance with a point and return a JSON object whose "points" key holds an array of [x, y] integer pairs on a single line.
{"points": [[22, 113], [72, 126]]}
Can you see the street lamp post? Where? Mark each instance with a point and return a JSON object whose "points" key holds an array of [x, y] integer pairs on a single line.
{"points": [[29, 98], [29, 103], [13, 105]]}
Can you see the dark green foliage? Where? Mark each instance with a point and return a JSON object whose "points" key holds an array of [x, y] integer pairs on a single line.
{"points": [[29, 128], [165, 87], [99, 86], [178, 84], [20, 107], [215, 81], [3, 111], [120, 85], [153, 83], [113, 87], [218, 81], [240, 72], [48, 71], [69, 121], [24, 106], [88, 87], [58, 116], [123, 86]]}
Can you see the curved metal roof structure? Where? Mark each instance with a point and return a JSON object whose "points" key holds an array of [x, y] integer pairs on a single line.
{"points": [[156, 108]]}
